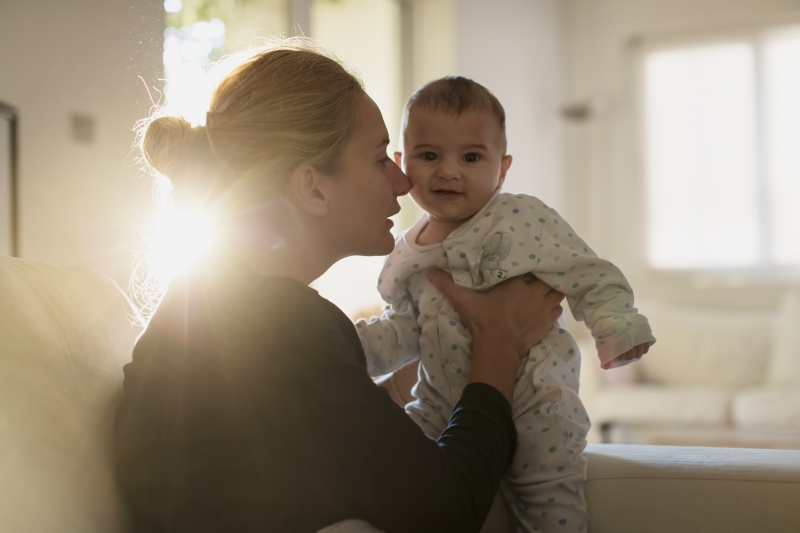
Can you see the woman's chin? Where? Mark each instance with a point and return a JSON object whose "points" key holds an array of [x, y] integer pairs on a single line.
{"points": [[385, 246]]}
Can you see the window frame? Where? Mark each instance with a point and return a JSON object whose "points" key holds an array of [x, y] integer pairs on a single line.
{"points": [[10, 116], [765, 273]]}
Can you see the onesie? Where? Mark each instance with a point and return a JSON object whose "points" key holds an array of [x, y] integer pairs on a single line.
{"points": [[511, 236]]}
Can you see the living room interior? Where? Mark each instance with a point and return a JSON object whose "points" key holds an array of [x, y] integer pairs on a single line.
{"points": [[665, 131]]}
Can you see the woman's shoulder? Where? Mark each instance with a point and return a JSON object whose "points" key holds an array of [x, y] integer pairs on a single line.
{"points": [[240, 297], [252, 311]]}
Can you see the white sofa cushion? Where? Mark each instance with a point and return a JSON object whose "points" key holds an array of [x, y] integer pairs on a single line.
{"points": [[675, 489], [777, 409], [64, 336], [714, 348], [784, 362], [653, 405]]}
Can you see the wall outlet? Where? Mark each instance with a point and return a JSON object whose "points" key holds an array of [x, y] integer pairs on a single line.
{"points": [[82, 127]]}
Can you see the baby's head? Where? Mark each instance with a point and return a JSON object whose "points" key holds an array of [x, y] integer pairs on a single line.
{"points": [[454, 147]]}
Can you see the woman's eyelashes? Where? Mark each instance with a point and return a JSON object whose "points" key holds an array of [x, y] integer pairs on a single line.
{"points": [[386, 159]]}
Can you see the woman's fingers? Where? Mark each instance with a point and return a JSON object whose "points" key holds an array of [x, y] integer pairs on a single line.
{"points": [[444, 283], [457, 296], [549, 295], [523, 307], [540, 288]]}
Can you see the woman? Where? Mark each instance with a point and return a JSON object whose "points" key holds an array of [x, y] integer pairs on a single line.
{"points": [[247, 405]]}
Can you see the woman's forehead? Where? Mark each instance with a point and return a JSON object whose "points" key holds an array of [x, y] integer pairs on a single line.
{"points": [[371, 130]]}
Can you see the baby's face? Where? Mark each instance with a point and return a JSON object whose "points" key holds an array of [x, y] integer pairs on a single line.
{"points": [[455, 163]]}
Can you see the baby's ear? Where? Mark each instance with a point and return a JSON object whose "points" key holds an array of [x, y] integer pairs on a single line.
{"points": [[398, 159], [505, 164]]}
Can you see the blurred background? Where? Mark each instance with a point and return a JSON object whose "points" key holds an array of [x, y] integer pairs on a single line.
{"points": [[666, 131]]}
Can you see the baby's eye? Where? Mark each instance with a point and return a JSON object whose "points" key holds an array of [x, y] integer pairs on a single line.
{"points": [[429, 156], [471, 157]]}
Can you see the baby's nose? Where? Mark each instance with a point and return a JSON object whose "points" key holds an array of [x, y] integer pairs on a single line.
{"points": [[448, 170]]}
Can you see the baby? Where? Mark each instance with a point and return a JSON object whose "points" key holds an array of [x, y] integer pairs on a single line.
{"points": [[454, 153]]}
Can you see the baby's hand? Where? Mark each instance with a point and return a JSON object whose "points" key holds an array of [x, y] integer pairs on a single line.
{"points": [[631, 356]]}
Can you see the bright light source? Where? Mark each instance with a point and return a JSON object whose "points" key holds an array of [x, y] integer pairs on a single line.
{"points": [[172, 6], [187, 53], [181, 239], [202, 30], [217, 28]]}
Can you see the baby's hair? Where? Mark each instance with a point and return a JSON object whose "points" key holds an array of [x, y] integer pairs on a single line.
{"points": [[455, 95]]}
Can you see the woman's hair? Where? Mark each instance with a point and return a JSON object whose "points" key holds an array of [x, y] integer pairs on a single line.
{"points": [[276, 107], [283, 105]]}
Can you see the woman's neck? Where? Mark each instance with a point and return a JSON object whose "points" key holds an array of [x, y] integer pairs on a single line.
{"points": [[291, 263], [271, 242], [281, 260]]}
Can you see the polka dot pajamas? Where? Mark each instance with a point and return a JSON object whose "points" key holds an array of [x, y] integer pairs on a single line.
{"points": [[510, 236]]}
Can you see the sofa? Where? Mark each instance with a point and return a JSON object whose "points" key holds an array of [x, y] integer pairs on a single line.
{"points": [[715, 377], [66, 332]]}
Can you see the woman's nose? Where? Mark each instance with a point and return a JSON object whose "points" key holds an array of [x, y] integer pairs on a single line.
{"points": [[400, 182]]}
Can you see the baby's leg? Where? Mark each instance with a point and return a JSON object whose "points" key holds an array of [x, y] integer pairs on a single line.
{"points": [[544, 485]]}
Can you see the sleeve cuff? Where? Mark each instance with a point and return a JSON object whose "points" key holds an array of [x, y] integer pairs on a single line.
{"points": [[609, 349]]}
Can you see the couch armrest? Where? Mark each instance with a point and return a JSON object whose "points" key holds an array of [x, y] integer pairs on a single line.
{"points": [[665, 489]]}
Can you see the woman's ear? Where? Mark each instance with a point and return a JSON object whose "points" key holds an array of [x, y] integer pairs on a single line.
{"points": [[308, 192]]}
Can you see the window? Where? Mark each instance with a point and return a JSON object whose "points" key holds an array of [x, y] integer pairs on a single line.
{"points": [[344, 26], [8, 180], [201, 31], [197, 33], [722, 163]]}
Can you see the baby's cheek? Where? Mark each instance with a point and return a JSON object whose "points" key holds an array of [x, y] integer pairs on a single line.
{"points": [[419, 197], [427, 201]]}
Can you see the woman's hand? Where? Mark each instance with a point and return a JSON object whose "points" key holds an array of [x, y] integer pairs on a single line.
{"points": [[523, 308], [505, 321]]}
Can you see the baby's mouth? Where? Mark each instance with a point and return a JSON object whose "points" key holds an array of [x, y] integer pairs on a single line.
{"points": [[446, 194]]}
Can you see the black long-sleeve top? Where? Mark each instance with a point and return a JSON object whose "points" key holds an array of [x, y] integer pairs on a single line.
{"points": [[248, 408]]}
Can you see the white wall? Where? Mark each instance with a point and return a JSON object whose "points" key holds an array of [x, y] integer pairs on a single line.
{"points": [[81, 204], [603, 181], [516, 49]]}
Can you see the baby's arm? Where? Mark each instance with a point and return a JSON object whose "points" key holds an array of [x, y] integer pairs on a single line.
{"points": [[392, 340], [596, 290]]}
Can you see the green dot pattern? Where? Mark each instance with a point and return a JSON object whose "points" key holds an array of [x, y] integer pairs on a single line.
{"points": [[565, 263]]}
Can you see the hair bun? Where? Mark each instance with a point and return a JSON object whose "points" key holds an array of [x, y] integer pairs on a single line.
{"points": [[171, 145]]}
